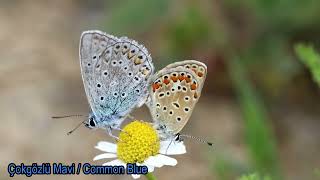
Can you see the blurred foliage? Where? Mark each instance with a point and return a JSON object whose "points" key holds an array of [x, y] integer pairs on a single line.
{"points": [[225, 166], [189, 32], [260, 141], [311, 59], [135, 16], [317, 173], [254, 176]]}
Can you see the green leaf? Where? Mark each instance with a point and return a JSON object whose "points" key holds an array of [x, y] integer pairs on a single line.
{"points": [[310, 58]]}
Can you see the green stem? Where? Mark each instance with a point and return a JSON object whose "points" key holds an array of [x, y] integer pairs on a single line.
{"points": [[150, 176]]}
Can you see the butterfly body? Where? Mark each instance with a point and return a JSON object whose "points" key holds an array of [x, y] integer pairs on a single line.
{"points": [[115, 73], [174, 92]]}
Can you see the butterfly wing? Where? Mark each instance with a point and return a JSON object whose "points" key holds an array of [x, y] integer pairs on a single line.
{"points": [[199, 68], [174, 92], [115, 72]]}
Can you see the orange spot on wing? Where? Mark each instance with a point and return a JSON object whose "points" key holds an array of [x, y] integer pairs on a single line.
{"points": [[174, 79], [187, 79], [155, 86], [193, 86], [181, 78], [166, 81], [200, 74]]}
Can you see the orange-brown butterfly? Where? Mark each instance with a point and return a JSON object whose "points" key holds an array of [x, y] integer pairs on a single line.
{"points": [[174, 92]]}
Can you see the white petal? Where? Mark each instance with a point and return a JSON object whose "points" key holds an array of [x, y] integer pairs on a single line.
{"points": [[135, 176], [160, 160], [166, 160], [106, 146], [150, 167], [116, 162], [104, 156], [152, 160], [172, 149]]}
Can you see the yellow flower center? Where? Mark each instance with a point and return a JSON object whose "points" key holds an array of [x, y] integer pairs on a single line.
{"points": [[138, 141]]}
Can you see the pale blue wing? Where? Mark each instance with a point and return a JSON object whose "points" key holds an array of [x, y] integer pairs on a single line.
{"points": [[116, 79]]}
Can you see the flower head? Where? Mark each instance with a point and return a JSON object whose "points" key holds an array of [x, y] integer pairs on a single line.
{"points": [[139, 143]]}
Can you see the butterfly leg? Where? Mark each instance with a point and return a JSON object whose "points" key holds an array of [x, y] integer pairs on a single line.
{"points": [[176, 138], [169, 145], [109, 130], [121, 130]]}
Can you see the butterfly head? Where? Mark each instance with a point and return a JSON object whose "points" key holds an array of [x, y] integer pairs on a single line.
{"points": [[91, 123]]}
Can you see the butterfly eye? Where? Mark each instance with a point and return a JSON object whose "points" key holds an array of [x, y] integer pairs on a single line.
{"points": [[91, 122]]}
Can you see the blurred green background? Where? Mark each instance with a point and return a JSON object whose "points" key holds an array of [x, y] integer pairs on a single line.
{"points": [[260, 103]]}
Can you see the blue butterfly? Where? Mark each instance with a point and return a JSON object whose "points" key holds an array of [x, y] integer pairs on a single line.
{"points": [[115, 73]]}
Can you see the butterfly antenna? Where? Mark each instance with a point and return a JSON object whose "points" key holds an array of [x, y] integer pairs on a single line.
{"points": [[75, 128], [66, 116], [195, 138]]}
